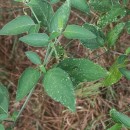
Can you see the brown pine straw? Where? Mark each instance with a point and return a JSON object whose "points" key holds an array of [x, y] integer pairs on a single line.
{"points": [[43, 113]]}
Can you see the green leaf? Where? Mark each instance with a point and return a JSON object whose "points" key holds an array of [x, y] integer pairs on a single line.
{"points": [[42, 10], [78, 32], [122, 59], [19, 25], [116, 127], [4, 99], [114, 75], [101, 5], [125, 72], [128, 27], [80, 5], [54, 35], [42, 68], [95, 42], [127, 51], [2, 127], [114, 72], [120, 118], [54, 1], [116, 13], [58, 86], [3, 117], [60, 18], [33, 57], [81, 70], [4, 90], [36, 39], [14, 115], [27, 82], [34, 29], [114, 34]]}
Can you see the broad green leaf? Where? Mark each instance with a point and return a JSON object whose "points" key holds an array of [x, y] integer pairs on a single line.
{"points": [[80, 5], [114, 75], [95, 42], [15, 115], [128, 27], [122, 59], [125, 72], [114, 34], [33, 57], [19, 25], [120, 118], [54, 1], [34, 29], [3, 117], [78, 32], [27, 82], [4, 99], [2, 127], [42, 10], [116, 13], [54, 35], [58, 86], [4, 104], [4, 90], [127, 51], [101, 5], [116, 127], [114, 72], [81, 70], [42, 68], [60, 18], [36, 39]]}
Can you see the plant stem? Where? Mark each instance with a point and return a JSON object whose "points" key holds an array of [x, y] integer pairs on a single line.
{"points": [[32, 11], [49, 56], [50, 49], [24, 105], [34, 14], [56, 54]]}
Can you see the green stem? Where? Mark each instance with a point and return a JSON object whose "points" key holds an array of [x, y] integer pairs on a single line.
{"points": [[32, 11], [56, 54], [14, 46], [48, 58], [50, 49], [24, 105], [34, 14]]}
